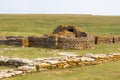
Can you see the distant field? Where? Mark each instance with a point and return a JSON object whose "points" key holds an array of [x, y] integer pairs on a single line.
{"points": [[24, 25], [44, 24]]}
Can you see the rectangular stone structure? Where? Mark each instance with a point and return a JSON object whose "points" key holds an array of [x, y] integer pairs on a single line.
{"points": [[43, 42], [116, 40], [103, 40], [75, 43]]}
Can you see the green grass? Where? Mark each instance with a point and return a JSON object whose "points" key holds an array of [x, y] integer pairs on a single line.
{"points": [[4, 67], [26, 52], [7, 67], [24, 25], [44, 24], [31, 52], [107, 71]]}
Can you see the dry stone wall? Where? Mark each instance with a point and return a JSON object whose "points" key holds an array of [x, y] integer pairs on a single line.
{"points": [[25, 66], [61, 42], [63, 37], [44, 42], [75, 30], [16, 42], [58, 41], [12, 40], [103, 40], [107, 39], [3, 42], [75, 43], [116, 40]]}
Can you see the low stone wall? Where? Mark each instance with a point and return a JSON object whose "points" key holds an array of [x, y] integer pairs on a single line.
{"points": [[12, 40], [44, 42], [29, 66], [16, 42], [3, 42], [116, 40], [61, 42], [75, 43], [6, 61], [103, 40]]}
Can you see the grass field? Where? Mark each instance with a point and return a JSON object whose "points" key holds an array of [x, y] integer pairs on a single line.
{"points": [[31, 53], [44, 24], [24, 25], [107, 71]]}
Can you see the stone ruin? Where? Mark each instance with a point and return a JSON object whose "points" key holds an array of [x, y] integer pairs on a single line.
{"points": [[63, 37], [69, 31], [11, 40], [65, 60]]}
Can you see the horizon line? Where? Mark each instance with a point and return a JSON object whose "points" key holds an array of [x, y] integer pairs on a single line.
{"points": [[59, 14]]}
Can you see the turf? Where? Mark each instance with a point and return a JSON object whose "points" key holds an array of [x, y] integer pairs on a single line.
{"points": [[44, 24], [107, 71], [31, 53]]}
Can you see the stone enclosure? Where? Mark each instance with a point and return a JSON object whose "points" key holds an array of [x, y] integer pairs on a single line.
{"points": [[63, 37]]}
